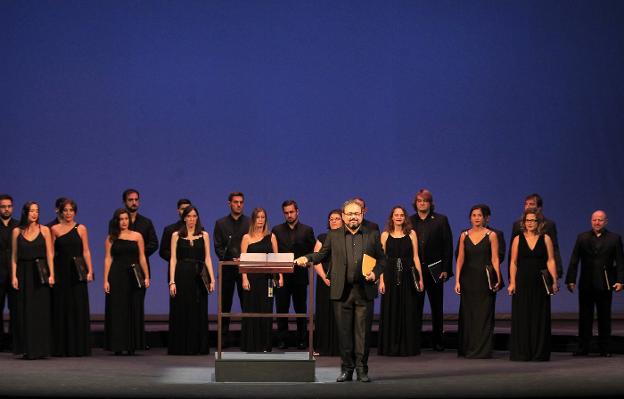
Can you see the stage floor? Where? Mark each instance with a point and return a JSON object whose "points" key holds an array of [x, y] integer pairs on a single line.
{"points": [[432, 374]]}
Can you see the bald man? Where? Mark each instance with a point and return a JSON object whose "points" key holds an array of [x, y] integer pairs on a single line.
{"points": [[602, 272]]}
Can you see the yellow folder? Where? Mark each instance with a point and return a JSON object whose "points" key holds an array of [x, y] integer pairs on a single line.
{"points": [[368, 263]]}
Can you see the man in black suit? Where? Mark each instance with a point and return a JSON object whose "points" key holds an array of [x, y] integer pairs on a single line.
{"points": [[227, 237], [351, 292], [366, 223], [435, 249], [165, 242], [6, 290], [602, 272], [298, 238], [535, 201]]}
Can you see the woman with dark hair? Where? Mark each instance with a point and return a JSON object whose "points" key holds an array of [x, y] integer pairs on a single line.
{"points": [[532, 260], [478, 249], [325, 330], [71, 329], [31, 252], [400, 320], [256, 332], [188, 305], [124, 254]]}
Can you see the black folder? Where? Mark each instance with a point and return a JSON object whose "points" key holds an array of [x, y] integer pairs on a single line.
{"points": [[81, 268], [548, 281], [606, 276], [492, 277], [435, 269], [42, 270], [139, 277]]}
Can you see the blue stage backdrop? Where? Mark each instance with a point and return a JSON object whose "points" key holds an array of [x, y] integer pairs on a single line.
{"points": [[318, 101]]}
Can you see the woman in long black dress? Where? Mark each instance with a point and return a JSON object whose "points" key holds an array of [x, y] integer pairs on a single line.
{"points": [[124, 248], [71, 330], [325, 331], [478, 247], [531, 253], [32, 244], [400, 321], [188, 306], [256, 332]]}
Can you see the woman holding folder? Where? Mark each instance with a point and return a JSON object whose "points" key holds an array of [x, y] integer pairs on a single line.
{"points": [[478, 277], [32, 275], [188, 303], [533, 278], [402, 287], [124, 256]]}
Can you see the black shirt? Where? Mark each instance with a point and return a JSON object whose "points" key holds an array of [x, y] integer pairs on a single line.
{"points": [[435, 240], [598, 256], [355, 253], [228, 234], [165, 242], [227, 237], [298, 240], [370, 225], [5, 242]]}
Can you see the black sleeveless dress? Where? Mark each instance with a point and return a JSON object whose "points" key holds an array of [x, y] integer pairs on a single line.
{"points": [[475, 330], [325, 330], [530, 305], [125, 330], [400, 321], [256, 331], [71, 333], [32, 327], [188, 310]]}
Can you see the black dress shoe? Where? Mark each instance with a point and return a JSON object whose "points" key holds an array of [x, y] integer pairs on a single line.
{"points": [[606, 354], [282, 345], [580, 353], [345, 376], [438, 348], [362, 376]]}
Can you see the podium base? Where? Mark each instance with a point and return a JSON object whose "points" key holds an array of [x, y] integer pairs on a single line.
{"points": [[264, 367]]}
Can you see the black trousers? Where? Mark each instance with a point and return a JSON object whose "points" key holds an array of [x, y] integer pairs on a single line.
{"points": [[601, 300], [354, 318], [227, 297], [283, 295], [435, 293], [6, 292]]}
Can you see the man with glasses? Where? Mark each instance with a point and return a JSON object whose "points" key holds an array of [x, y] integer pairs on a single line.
{"points": [[6, 291], [602, 272], [435, 249], [352, 293], [535, 201]]}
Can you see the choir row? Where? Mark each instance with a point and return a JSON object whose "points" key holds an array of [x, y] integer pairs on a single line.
{"points": [[416, 259]]}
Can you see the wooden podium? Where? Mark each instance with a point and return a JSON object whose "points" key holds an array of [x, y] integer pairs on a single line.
{"points": [[264, 367]]}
